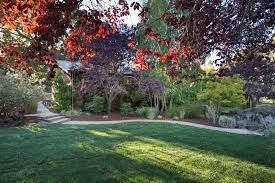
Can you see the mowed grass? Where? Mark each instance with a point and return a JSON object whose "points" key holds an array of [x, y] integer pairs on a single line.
{"points": [[133, 152]]}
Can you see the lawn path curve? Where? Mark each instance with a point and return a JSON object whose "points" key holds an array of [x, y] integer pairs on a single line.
{"points": [[54, 118]]}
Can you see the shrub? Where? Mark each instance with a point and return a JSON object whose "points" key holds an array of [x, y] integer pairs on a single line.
{"points": [[148, 112], [271, 131], [176, 111], [71, 113], [17, 95], [252, 121], [135, 98], [96, 104], [212, 113], [194, 110], [264, 110], [227, 121], [30, 106], [126, 109], [11, 100]]}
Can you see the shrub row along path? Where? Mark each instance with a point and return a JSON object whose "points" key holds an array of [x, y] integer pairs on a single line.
{"points": [[54, 118]]}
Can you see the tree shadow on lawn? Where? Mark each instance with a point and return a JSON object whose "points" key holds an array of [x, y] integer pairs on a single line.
{"points": [[252, 148], [75, 155], [121, 152]]}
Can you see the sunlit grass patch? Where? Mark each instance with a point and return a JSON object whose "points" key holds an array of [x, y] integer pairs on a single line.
{"points": [[98, 133], [136, 152]]}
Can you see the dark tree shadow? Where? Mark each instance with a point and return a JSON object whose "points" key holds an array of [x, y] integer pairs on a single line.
{"points": [[75, 153]]}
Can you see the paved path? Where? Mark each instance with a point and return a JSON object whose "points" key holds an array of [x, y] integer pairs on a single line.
{"points": [[53, 118], [229, 130], [48, 116]]}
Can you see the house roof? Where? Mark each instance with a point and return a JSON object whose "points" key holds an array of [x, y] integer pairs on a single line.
{"points": [[67, 65]]}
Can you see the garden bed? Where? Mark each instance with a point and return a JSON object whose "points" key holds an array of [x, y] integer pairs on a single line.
{"points": [[118, 117], [26, 121]]}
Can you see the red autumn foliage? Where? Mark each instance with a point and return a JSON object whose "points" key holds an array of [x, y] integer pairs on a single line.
{"points": [[36, 26], [131, 44], [85, 62]]}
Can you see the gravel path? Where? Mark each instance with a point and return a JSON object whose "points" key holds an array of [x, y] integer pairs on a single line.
{"points": [[53, 118]]}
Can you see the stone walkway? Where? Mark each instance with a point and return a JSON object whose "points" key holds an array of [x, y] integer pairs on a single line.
{"points": [[48, 116], [53, 118]]}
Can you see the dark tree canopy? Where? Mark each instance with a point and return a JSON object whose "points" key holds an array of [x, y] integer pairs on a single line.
{"points": [[34, 29], [114, 48], [224, 25], [256, 65]]}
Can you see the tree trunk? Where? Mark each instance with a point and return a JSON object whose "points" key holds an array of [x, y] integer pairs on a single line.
{"points": [[163, 107], [170, 103], [252, 101], [109, 107]]}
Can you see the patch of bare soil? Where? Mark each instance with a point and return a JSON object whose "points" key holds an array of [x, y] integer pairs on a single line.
{"points": [[26, 121]]}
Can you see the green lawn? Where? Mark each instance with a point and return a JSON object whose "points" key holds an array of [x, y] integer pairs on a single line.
{"points": [[136, 152]]}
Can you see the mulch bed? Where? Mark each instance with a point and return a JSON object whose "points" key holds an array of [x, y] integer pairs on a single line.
{"points": [[26, 121], [118, 116], [102, 117]]}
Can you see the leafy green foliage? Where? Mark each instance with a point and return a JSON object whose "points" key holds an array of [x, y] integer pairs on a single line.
{"points": [[61, 92], [194, 110], [227, 121], [18, 95], [134, 96], [212, 113], [11, 99], [223, 94], [182, 94], [176, 111], [126, 109], [95, 104], [148, 112]]}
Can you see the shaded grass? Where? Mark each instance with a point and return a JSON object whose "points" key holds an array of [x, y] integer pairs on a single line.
{"points": [[133, 152]]}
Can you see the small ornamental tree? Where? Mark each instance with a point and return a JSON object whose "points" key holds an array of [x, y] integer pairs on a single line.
{"points": [[98, 78], [153, 87], [223, 94]]}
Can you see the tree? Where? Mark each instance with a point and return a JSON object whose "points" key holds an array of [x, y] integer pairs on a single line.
{"points": [[112, 49], [153, 87], [101, 73], [157, 46], [256, 66], [34, 29], [61, 92], [226, 26], [97, 78], [223, 94]]}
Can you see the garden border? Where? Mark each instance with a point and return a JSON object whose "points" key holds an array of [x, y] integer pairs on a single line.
{"points": [[228, 130], [43, 112]]}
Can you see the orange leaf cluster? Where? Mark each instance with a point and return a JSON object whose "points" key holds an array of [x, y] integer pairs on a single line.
{"points": [[131, 44]]}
